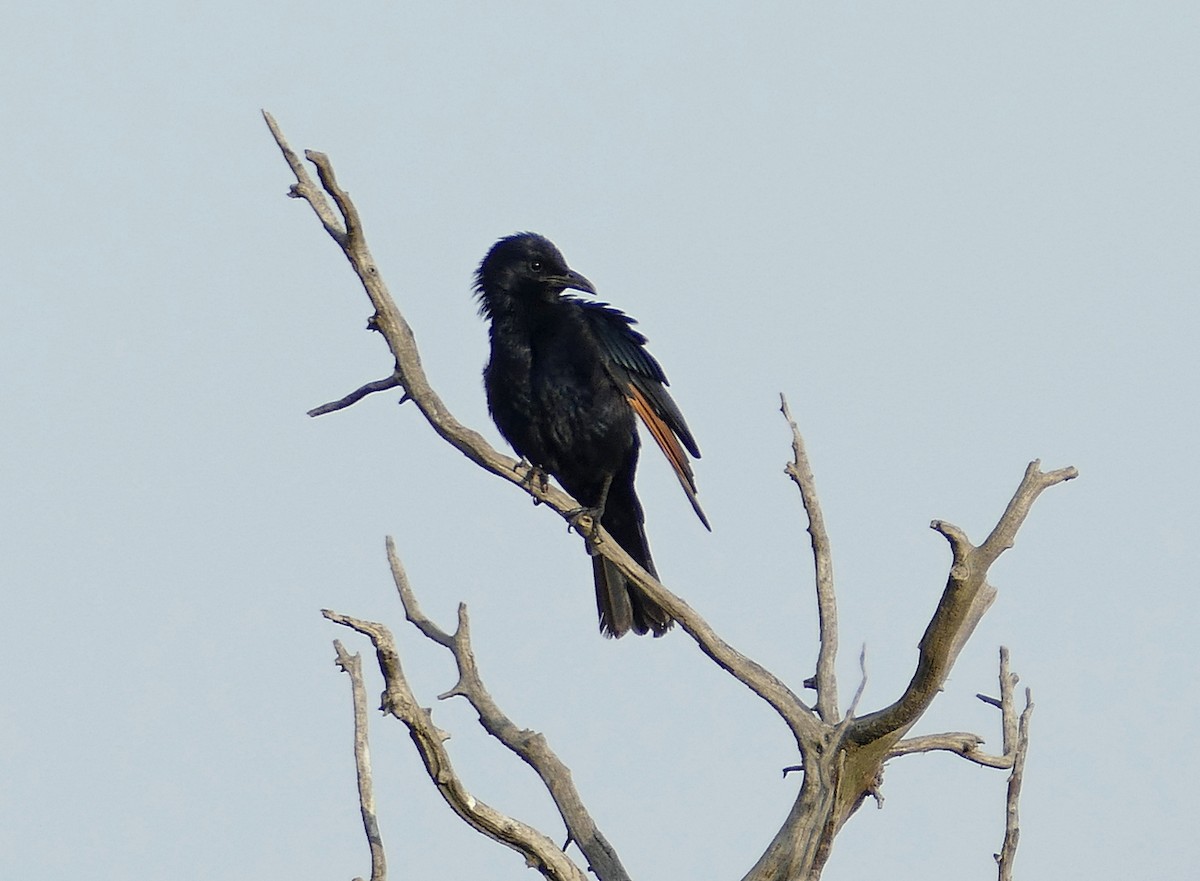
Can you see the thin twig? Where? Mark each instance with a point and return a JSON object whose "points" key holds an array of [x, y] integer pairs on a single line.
{"points": [[961, 743], [858, 692], [305, 188], [352, 666], [379, 385], [800, 472], [1012, 820], [408, 600], [1008, 709]]}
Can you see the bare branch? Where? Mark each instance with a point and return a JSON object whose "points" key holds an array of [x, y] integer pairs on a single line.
{"points": [[341, 198], [530, 746], [305, 188], [379, 385], [802, 844], [1008, 710], [795, 713], [966, 744], [965, 599], [1012, 827], [960, 545], [408, 599], [962, 743], [801, 473], [352, 666], [1005, 534], [398, 700], [844, 725]]}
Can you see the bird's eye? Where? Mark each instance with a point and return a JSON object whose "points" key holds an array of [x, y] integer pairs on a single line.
{"points": [[535, 265]]}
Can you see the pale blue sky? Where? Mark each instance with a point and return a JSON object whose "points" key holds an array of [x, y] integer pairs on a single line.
{"points": [[958, 236]]}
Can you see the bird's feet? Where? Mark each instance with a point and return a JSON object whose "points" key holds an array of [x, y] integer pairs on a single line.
{"points": [[534, 479], [586, 521]]}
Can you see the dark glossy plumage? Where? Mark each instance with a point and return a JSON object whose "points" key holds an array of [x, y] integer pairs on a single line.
{"points": [[564, 382]]}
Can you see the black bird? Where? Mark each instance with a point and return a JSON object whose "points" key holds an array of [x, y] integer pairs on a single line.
{"points": [[565, 378]]}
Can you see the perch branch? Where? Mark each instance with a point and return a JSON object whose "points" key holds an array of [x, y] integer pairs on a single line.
{"points": [[351, 665], [398, 700], [795, 713], [408, 372], [801, 473], [411, 376]]}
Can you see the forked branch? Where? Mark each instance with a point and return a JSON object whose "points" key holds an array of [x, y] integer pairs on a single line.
{"points": [[965, 599], [530, 746], [398, 700]]}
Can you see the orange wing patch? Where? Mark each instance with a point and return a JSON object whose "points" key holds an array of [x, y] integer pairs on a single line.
{"points": [[669, 444]]}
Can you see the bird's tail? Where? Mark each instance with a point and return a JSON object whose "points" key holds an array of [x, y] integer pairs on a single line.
{"points": [[623, 606]]}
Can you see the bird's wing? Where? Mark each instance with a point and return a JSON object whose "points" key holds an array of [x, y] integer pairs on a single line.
{"points": [[645, 387]]}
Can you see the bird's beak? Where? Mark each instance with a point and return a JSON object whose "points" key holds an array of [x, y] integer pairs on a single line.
{"points": [[575, 281]]}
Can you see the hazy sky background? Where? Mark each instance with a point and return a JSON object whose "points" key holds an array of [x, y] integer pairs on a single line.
{"points": [[958, 235]]}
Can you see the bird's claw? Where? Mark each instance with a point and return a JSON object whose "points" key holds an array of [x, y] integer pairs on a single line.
{"points": [[535, 478], [586, 521]]}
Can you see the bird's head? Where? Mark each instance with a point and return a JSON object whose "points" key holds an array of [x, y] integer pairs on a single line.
{"points": [[524, 268]]}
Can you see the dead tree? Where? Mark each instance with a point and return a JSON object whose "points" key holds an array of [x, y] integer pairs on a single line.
{"points": [[842, 756]]}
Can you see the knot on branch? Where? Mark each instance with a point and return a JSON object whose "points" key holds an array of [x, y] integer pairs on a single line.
{"points": [[388, 706]]}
